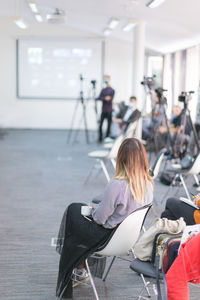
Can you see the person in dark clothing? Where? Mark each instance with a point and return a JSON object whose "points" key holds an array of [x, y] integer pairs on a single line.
{"points": [[175, 208], [178, 118], [128, 114], [181, 131], [106, 96]]}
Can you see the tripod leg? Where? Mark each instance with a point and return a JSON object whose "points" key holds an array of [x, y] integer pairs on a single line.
{"points": [[72, 122], [83, 117], [85, 124], [194, 132], [77, 131]]}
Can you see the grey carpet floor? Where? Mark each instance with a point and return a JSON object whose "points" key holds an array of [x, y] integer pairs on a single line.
{"points": [[40, 174]]}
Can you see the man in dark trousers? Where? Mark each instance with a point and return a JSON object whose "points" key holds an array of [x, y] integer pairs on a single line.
{"points": [[106, 96]]}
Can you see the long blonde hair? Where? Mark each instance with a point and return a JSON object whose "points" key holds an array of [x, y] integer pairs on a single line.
{"points": [[132, 165]]}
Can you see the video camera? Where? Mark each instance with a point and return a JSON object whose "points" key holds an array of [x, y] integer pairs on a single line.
{"points": [[149, 82], [185, 97], [93, 82], [159, 92]]}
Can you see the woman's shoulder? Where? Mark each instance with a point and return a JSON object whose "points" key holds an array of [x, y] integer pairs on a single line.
{"points": [[117, 183]]}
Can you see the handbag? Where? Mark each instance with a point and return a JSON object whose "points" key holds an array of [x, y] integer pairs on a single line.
{"points": [[143, 247], [163, 246]]}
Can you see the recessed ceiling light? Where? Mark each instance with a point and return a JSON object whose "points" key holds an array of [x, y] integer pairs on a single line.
{"points": [[33, 6], [154, 3], [129, 25], [113, 23], [107, 31], [20, 22], [38, 17]]}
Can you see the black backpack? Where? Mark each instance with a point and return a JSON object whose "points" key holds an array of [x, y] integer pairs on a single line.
{"points": [[166, 178]]}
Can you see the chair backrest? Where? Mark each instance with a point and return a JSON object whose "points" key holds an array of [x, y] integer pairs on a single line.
{"points": [[138, 129], [127, 233], [114, 150], [195, 168], [156, 166], [130, 132]]}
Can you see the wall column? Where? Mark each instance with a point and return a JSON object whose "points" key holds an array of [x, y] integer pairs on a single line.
{"points": [[138, 62]]}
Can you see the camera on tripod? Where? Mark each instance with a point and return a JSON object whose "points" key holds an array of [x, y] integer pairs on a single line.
{"points": [[159, 92], [149, 82], [185, 97], [93, 82]]}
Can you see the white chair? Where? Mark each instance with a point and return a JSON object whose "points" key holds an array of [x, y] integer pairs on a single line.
{"points": [[154, 171], [181, 174], [132, 130], [102, 156], [122, 241]]}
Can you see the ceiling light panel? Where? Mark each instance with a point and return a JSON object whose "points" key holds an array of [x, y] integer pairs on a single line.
{"points": [[20, 22], [38, 17], [129, 26], [113, 23], [107, 32], [33, 6], [154, 3]]}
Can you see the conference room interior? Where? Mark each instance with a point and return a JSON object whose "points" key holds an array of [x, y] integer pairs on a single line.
{"points": [[56, 57]]}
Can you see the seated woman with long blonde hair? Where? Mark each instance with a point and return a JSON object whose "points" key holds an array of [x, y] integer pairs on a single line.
{"points": [[130, 189]]}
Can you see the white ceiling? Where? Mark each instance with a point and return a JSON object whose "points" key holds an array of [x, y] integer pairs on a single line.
{"points": [[172, 26]]}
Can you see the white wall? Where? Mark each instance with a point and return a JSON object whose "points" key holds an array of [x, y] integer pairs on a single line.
{"points": [[18, 113]]}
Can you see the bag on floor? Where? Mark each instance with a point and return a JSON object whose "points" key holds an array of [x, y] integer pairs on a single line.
{"points": [[166, 247], [166, 178], [144, 246]]}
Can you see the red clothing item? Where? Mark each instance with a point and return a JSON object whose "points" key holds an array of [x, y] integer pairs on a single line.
{"points": [[186, 268]]}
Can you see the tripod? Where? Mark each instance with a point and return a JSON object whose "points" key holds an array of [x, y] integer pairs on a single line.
{"points": [[186, 121], [93, 97], [162, 103], [155, 121], [81, 100]]}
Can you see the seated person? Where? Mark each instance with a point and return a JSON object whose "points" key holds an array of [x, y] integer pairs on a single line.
{"points": [[155, 123], [181, 130], [130, 189], [177, 120], [127, 114], [175, 208]]}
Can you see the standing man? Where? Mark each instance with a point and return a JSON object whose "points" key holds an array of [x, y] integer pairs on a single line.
{"points": [[106, 96]]}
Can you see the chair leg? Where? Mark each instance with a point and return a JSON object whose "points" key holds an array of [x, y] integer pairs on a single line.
{"points": [[185, 187], [89, 175], [146, 283], [196, 180], [104, 278], [105, 170], [113, 162], [91, 280]]}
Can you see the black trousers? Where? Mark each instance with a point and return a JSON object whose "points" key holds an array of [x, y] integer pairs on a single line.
{"points": [[81, 238], [176, 208], [108, 116]]}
